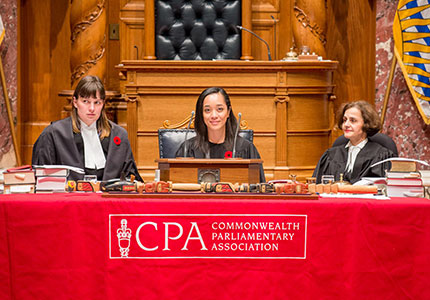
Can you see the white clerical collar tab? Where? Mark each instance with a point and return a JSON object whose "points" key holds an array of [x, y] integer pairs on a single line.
{"points": [[93, 151], [360, 145], [90, 127]]}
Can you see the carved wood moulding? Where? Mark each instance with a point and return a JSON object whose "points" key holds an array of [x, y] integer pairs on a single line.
{"points": [[87, 20], [88, 39], [306, 22], [309, 25], [86, 66]]}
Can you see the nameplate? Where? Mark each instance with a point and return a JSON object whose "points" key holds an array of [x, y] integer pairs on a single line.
{"points": [[208, 236]]}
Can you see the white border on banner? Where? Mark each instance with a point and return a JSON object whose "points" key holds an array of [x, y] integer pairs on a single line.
{"points": [[208, 215]]}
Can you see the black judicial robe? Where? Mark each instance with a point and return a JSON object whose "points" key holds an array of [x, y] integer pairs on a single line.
{"points": [[333, 162], [244, 149], [59, 145]]}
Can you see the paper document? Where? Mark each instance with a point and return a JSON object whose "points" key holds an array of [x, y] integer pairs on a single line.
{"points": [[400, 159]]}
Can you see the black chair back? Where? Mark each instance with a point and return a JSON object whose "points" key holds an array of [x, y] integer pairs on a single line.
{"points": [[169, 140], [198, 29], [380, 138]]}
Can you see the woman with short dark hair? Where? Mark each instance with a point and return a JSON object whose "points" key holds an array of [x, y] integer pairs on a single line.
{"points": [[372, 123], [358, 120], [87, 139], [215, 126]]}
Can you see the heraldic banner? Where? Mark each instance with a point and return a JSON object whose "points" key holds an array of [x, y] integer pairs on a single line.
{"points": [[411, 30], [2, 30]]}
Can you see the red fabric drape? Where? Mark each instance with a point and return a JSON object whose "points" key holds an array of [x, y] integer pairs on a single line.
{"points": [[57, 247]]}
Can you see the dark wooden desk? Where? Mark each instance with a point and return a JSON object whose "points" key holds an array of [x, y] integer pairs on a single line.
{"points": [[219, 170]]}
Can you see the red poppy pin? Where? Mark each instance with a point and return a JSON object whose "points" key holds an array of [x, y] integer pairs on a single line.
{"points": [[117, 140], [228, 154]]}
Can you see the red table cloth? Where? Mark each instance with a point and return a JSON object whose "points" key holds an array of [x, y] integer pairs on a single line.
{"points": [[66, 246]]}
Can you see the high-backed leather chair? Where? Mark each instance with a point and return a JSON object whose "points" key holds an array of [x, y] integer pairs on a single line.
{"points": [[380, 138], [169, 140], [198, 29]]}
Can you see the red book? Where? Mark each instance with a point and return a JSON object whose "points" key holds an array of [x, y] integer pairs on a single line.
{"points": [[404, 181], [51, 183], [19, 175], [23, 168], [404, 191]]}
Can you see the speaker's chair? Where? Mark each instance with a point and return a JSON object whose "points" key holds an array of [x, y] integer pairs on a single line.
{"points": [[198, 29], [380, 138], [169, 140]]}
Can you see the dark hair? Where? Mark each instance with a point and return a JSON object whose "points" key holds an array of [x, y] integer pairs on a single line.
{"points": [[202, 141], [372, 123], [88, 87]]}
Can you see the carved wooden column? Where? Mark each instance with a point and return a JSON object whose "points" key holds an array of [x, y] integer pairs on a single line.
{"points": [[281, 101], [88, 30], [132, 99], [309, 25], [246, 22]]}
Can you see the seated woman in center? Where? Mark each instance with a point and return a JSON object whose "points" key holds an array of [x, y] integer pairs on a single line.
{"points": [[358, 120], [215, 126]]}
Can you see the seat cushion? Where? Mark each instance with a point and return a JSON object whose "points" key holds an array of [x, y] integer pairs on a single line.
{"points": [[380, 138]]}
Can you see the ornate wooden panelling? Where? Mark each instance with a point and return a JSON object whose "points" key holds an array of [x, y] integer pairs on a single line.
{"points": [[46, 52], [287, 104], [351, 41], [309, 25], [132, 29], [88, 39], [265, 16]]}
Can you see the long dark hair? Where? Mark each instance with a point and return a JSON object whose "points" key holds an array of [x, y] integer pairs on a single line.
{"points": [[88, 87], [202, 141]]}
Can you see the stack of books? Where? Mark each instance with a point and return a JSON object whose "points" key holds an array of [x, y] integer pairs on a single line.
{"points": [[2, 180], [19, 180], [425, 177], [51, 178], [403, 180]]}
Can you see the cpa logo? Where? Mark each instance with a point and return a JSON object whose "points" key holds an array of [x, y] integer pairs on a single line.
{"points": [[124, 235], [143, 241]]}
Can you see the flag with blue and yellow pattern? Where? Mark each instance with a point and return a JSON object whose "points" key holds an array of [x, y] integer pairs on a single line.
{"points": [[2, 30], [411, 30]]}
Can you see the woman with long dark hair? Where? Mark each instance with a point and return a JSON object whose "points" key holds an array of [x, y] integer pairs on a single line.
{"points": [[215, 126]]}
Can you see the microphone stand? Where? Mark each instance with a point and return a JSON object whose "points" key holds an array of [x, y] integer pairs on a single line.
{"points": [[235, 136], [254, 34], [186, 133]]}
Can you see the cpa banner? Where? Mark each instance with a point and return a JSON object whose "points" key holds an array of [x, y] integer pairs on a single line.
{"points": [[185, 236]]}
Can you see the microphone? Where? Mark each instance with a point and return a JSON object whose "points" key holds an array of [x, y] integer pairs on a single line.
{"points": [[186, 133], [236, 134], [274, 32], [254, 34]]}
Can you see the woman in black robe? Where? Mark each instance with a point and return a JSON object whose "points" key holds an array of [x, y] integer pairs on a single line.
{"points": [[87, 139], [358, 120], [215, 126]]}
